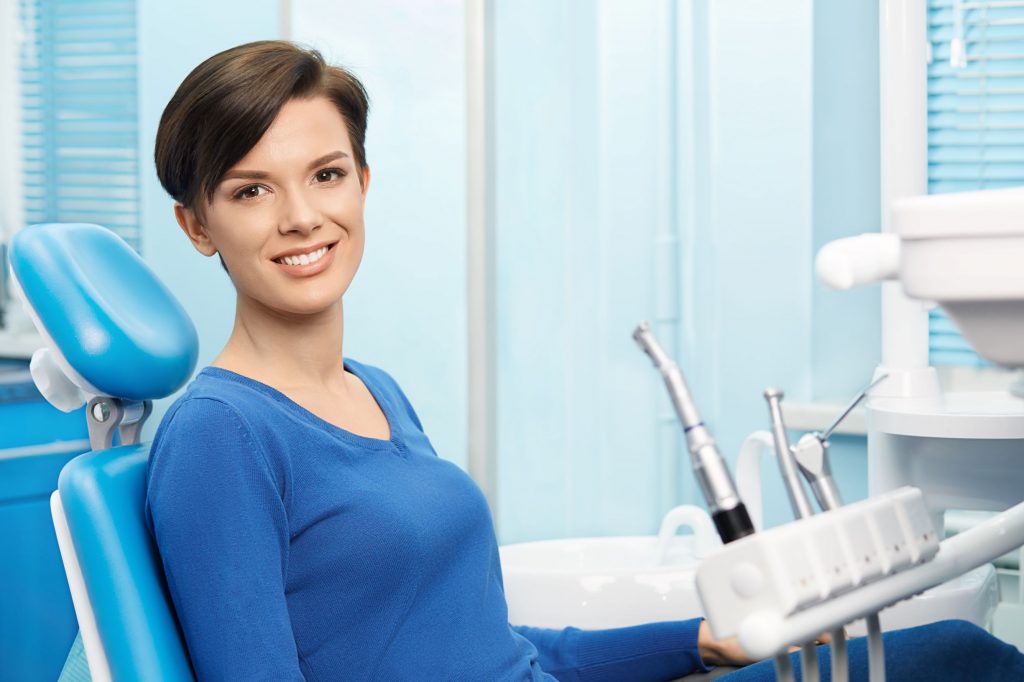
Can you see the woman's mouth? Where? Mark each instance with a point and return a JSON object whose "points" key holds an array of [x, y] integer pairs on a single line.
{"points": [[305, 258], [307, 263]]}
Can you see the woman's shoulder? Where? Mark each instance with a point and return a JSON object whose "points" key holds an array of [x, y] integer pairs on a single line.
{"points": [[213, 427], [209, 454], [213, 405]]}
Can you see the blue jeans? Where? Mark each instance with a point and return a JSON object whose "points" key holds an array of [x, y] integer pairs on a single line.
{"points": [[949, 651]]}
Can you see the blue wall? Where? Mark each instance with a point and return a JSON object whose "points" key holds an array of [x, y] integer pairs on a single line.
{"points": [[585, 242], [747, 307], [847, 201], [847, 197], [785, 158], [682, 162]]}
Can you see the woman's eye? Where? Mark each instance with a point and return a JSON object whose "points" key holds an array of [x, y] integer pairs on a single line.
{"points": [[328, 174], [250, 192]]}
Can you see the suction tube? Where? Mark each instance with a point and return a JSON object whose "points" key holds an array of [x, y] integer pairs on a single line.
{"points": [[727, 510]]}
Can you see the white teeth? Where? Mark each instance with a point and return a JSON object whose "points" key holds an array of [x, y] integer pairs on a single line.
{"points": [[305, 258]]}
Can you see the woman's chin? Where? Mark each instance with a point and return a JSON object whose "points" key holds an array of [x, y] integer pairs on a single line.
{"points": [[302, 310]]}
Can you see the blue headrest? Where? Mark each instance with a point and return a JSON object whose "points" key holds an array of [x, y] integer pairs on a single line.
{"points": [[104, 310]]}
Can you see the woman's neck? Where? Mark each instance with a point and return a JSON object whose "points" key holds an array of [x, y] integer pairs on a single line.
{"points": [[285, 350]]}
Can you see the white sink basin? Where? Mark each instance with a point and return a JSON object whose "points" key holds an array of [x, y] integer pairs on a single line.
{"points": [[594, 583]]}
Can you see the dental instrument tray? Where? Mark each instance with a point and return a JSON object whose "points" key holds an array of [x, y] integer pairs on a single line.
{"points": [[792, 567]]}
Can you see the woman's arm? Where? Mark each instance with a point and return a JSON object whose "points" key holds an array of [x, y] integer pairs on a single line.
{"points": [[653, 652], [217, 514]]}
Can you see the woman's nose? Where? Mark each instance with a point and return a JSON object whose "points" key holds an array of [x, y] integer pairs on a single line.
{"points": [[299, 214]]}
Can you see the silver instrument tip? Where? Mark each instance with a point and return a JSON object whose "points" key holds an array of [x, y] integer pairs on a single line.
{"points": [[770, 393]]}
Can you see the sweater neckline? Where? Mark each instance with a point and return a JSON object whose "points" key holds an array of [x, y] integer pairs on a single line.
{"points": [[394, 442]]}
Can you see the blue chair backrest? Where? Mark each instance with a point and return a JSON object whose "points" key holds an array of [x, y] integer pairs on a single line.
{"points": [[104, 494]]}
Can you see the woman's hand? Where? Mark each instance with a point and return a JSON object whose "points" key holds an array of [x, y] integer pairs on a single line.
{"points": [[727, 651], [720, 651]]}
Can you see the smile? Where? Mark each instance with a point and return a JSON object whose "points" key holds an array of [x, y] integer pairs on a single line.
{"points": [[304, 258], [312, 262]]}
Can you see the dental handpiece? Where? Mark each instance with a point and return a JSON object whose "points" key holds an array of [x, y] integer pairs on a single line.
{"points": [[811, 454], [727, 509], [787, 464]]}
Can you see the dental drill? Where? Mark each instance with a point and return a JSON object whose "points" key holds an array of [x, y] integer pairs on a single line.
{"points": [[727, 509]]}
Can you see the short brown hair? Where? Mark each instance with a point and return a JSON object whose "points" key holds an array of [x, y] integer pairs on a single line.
{"points": [[222, 109]]}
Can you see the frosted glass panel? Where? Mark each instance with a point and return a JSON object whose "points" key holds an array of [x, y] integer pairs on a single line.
{"points": [[586, 248]]}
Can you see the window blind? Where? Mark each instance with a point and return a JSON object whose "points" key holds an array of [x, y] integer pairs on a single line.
{"points": [[79, 113], [975, 118]]}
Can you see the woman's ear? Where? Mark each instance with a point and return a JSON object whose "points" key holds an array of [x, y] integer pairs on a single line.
{"points": [[366, 180], [194, 230]]}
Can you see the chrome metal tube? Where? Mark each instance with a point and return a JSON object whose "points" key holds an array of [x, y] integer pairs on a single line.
{"points": [[840, 656], [826, 492], [787, 464], [481, 349], [809, 662], [876, 650], [784, 669]]}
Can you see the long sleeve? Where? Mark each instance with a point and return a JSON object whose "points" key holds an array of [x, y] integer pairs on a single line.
{"points": [[217, 512], [654, 652]]}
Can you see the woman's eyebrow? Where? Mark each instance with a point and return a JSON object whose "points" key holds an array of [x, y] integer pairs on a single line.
{"points": [[263, 175], [246, 175], [327, 158]]}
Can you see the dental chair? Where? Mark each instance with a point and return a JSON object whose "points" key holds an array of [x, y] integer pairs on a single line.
{"points": [[115, 339]]}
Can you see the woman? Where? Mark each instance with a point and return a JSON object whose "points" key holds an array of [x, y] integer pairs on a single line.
{"points": [[306, 526]]}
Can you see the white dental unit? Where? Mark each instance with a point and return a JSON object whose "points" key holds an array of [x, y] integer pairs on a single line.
{"points": [[928, 450]]}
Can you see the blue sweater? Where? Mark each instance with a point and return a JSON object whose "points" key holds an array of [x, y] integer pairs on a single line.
{"points": [[296, 550]]}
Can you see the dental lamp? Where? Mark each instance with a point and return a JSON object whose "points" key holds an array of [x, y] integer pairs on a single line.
{"points": [[964, 251]]}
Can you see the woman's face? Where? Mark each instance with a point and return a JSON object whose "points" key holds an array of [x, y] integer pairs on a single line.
{"points": [[288, 218]]}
